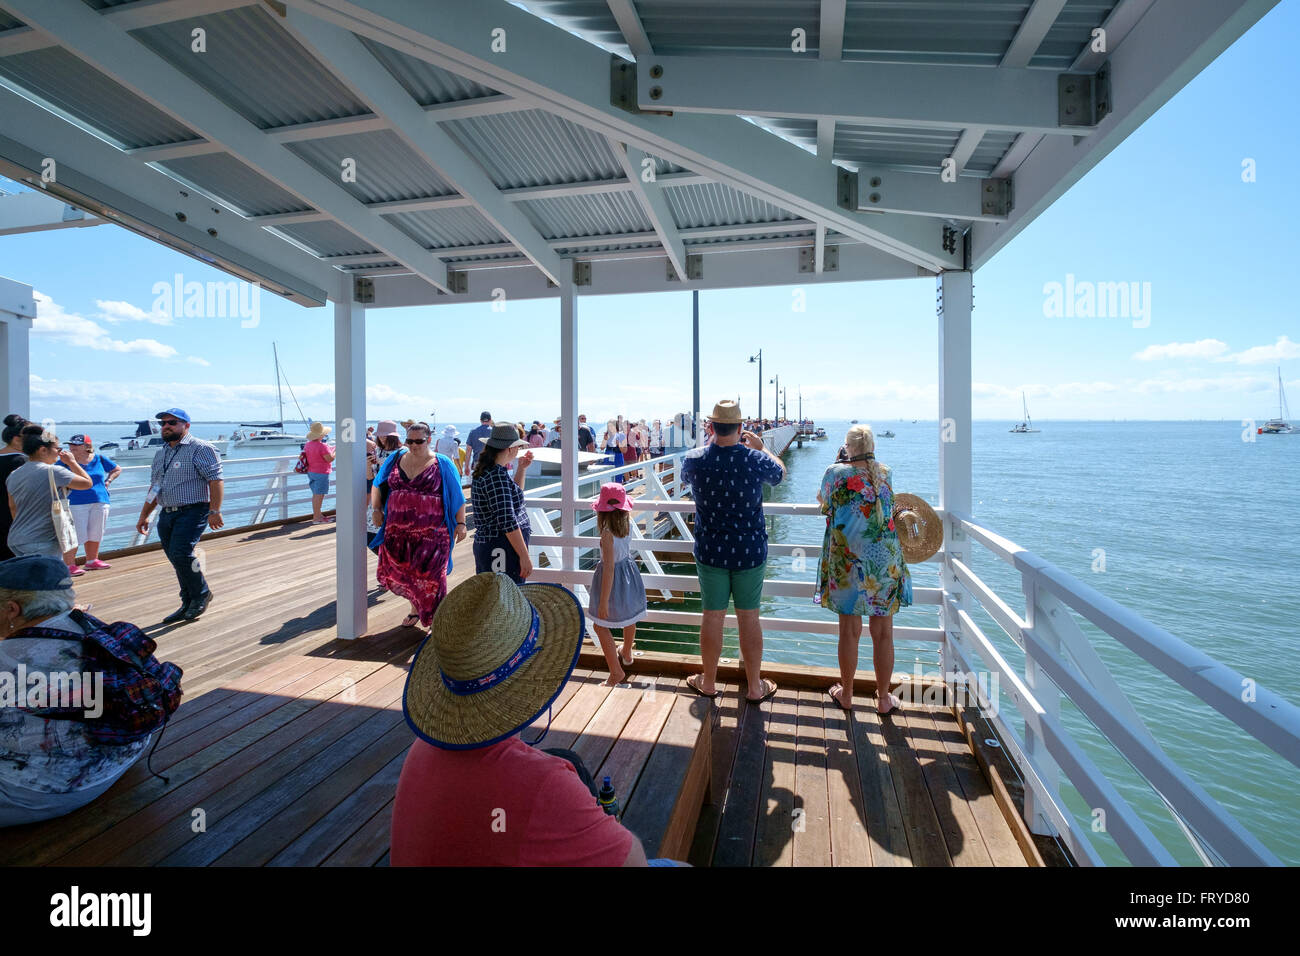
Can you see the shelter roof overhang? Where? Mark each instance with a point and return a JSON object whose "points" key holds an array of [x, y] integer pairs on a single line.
{"points": [[450, 151]]}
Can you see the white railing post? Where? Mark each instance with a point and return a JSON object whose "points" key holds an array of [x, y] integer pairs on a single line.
{"points": [[956, 298], [1049, 698]]}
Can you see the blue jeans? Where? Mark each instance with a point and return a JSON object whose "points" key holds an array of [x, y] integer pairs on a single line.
{"points": [[179, 531]]}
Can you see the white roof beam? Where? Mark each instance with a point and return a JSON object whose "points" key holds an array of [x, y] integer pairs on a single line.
{"points": [[629, 23], [830, 46], [39, 212], [110, 49], [921, 194], [146, 200], [553, 70], [636, 165], [967, 143], [1033, 28], [910, 95], [349, 59], [128, 16], [1164, 50]]}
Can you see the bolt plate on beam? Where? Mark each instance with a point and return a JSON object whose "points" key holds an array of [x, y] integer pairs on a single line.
{"points": [[363, 290], [846, 188], [458, 281], [830, 259], [581, 272], [995, 197], [694, 268]]}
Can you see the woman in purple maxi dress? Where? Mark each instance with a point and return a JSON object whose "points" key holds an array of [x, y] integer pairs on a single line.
{"points": [[413, 557]]}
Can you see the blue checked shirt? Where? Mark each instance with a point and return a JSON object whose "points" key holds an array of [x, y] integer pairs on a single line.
{"points": [[498, 504], [727, 485], [182, 472]]}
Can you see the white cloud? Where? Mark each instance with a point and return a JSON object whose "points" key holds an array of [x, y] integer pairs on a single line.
{"points": [[71, 329], [1203, 349], [1279, 351], [198, 361], [117, 311]]}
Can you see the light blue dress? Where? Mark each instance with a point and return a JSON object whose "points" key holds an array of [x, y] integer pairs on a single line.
{"points": [[627, 593]]}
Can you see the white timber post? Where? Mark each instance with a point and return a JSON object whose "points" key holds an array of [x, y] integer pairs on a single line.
{"points": [[17, 311], [955, 294], [350, 464], [569, 412]]}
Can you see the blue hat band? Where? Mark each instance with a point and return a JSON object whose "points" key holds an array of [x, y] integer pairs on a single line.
{"points": [[477, 685]]}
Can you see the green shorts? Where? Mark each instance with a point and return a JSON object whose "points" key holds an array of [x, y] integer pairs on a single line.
{"points": [[719, 585]]}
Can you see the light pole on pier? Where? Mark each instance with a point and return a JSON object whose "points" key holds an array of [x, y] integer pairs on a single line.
{"points": [[759, 359], [776, 397]]}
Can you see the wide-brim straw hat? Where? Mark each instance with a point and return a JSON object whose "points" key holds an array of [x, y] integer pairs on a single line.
{"points": [[919, 530], [475, 680], [726, 412], [317, 430]]}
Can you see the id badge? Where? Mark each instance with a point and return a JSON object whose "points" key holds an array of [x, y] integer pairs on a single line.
{"points": [[154, 490]]}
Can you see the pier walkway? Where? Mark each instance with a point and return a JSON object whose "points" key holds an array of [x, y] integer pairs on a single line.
{"points": [[288, 745]]}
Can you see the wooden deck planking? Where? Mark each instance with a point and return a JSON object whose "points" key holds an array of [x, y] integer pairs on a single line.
{"points": [[291, 741]]}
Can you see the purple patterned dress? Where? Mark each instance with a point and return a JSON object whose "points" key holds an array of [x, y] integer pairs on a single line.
{"points": [[413, 557]]}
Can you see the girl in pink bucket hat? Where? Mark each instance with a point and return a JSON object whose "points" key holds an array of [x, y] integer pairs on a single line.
{"points": [[617, 592]]}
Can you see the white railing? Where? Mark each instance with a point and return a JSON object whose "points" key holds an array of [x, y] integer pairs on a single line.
{"points": [[1061, 662], [273, 492], [662, 493]]}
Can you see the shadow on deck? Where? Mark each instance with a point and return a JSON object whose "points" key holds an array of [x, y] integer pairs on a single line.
{"points": [[288, 745]]}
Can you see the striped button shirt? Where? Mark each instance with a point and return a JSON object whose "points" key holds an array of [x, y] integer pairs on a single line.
{"points": [[181, 472]]}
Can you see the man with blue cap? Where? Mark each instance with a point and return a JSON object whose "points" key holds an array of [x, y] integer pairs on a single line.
{"points": [[185, 483]]}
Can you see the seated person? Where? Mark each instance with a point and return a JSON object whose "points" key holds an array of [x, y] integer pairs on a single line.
{"points": [[472, 793], [48, 766]]}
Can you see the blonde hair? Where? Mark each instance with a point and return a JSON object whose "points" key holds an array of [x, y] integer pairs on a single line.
{"points": [[861, 440], [616, 521]]}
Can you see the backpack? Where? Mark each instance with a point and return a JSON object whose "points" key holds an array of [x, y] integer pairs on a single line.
{"points": [[140, 692]]}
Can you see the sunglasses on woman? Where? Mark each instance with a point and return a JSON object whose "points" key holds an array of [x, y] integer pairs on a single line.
{"points": [[416, 441]]}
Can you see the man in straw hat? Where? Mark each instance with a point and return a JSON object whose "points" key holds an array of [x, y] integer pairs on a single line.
{"points": [[472, 793], [320, 462], [726, 478]]}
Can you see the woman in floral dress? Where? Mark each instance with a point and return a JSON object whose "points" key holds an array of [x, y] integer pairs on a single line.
{"points": [[862, 571]]}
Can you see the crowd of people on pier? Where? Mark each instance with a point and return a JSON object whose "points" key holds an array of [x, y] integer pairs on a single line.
{"points": [[499, 648]]}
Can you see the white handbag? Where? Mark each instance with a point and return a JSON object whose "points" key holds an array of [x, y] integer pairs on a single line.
{"points": [[61, 513]]}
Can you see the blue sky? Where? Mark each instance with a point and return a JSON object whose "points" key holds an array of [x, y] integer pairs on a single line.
{"points": [[1168, 207]]}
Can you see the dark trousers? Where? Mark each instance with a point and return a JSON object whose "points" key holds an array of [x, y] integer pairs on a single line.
{"points": [[487, 549], [179, 531], [583, 773]]}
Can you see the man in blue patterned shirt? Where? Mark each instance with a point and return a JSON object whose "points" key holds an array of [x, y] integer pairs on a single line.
{"points": [[726, 478], [185, 482]]}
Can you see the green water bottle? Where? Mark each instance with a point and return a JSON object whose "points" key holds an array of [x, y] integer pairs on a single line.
{"points": [[607, 799]]}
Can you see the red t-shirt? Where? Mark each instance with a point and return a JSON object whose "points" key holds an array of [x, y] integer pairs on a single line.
{"points": [[504, 805], [316, 460]]}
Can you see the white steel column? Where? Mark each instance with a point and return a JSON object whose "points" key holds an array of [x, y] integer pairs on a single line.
{"points": [[350, 466], [955, 297], [17, 310], [569, 411]]}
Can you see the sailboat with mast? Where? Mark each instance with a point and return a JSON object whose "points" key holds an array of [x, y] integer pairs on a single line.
{"points": [[272, 433], [1280, 425], [1026, 426]]}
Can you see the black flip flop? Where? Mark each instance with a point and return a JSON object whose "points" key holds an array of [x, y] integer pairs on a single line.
{"points": [[768, 696], [847, 710], [700, 692]]}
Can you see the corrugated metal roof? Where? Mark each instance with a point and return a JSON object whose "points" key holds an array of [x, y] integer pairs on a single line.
{"points": [[726, 240], [447, 227], [712, 204], [328, 238], [534, 148], [78, 89], [254, 67], [425, 82], [624, 247], [887, 145], [386, 167], [228, 179], [1071, 32], [600, 215]]}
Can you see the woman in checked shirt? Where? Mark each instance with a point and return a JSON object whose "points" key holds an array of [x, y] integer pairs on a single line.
{"points": [[500, 521]]}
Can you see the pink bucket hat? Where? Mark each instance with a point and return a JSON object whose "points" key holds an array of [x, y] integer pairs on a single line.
{"points": [[385, 428], [612, 497]]}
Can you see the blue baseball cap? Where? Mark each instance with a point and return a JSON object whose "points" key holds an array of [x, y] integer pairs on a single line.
{"points": [[174, 413], [35, 572]]}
